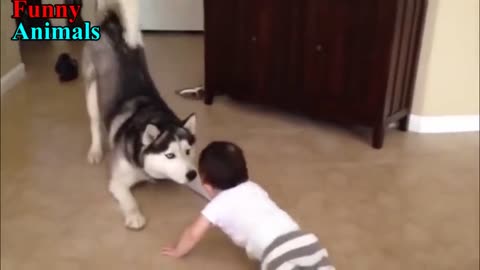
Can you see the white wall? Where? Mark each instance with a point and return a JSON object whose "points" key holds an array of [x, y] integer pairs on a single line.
{"points": [[88, 11], [448, 75], [172, 15], [168, 15], [10, 49]]}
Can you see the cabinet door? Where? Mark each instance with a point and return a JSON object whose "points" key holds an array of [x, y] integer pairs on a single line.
{"points": [[244, 53], [259, 49], [286, 66], [338, 51], [219, 44]]}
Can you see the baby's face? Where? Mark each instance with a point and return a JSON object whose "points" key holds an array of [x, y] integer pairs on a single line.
{"points": [[211, 191]]}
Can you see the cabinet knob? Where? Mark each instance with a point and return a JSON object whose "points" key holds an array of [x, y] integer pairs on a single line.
{"points": [[319, 48], [254, 38]]}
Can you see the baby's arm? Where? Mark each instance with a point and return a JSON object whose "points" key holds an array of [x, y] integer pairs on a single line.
{"points": [[190, 237]]}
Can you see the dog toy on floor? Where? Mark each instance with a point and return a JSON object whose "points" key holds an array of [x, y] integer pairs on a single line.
{"points": [[66, 68], [192, 93]]}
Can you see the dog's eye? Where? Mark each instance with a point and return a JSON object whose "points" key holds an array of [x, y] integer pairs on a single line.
{"points": [[170, 155], [188, 152]]}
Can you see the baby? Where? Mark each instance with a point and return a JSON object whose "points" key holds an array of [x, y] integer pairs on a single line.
{"points": [[244, 211]]}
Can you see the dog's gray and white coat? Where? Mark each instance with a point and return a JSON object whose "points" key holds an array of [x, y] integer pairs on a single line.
{"points": [[148, 141]]}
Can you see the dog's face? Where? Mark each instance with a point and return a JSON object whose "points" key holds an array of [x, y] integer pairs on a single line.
{"points": [[170, 154]]}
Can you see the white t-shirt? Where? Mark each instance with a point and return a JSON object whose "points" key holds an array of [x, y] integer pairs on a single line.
{"points": [[249, 217]]}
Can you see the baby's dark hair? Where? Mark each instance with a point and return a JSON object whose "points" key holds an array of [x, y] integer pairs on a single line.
{"points": [[223, 165]]}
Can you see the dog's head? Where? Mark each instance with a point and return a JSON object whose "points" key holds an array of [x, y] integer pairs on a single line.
{"points": [[170, 153]]}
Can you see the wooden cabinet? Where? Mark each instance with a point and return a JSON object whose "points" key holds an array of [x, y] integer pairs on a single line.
{"points": [[259, 40], [352, 61]]}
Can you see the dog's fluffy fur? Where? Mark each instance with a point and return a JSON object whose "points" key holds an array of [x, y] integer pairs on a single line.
{"points": [[148, 141]]}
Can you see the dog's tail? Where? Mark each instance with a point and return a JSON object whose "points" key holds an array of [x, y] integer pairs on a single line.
{"points": [[120, 20]]}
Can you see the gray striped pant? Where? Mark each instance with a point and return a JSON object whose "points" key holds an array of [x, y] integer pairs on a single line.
{"points": [[295, 251]]}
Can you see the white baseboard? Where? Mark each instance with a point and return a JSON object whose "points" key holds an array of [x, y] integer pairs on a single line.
{"points": [[444, 124], [10, 79]]}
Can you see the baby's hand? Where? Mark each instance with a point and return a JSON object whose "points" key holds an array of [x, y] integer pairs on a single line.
{"points": [[171, 252], [189, 238]]}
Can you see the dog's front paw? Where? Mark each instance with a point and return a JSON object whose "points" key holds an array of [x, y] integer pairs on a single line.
{"points": [[95, 155], [135, 221]]}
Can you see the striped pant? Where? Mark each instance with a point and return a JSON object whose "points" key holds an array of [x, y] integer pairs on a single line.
{"points": [[295, 251]]}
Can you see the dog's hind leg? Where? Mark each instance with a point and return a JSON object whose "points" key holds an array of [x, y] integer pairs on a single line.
{"points": [[122, 179], [95, 152]]}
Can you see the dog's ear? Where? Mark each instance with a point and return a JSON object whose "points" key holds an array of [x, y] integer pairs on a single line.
{"points": [[190, 123], [150, 134]]}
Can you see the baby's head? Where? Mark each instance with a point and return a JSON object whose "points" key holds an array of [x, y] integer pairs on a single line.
{"points": [[222, 166]]}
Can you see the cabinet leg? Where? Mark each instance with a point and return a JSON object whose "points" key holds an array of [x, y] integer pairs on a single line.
{"points": [[378, 136], [403, 124], [208, 100]]}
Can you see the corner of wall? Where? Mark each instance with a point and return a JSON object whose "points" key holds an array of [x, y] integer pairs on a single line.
{"points": [[425, 56], [447, 89], [12, 68], [11, 78]]}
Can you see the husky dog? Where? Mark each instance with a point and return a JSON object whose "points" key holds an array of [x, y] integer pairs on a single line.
{"points": [[147, 140]]}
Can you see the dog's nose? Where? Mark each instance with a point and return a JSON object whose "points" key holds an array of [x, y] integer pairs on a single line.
{"points": [[191, 175]]}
